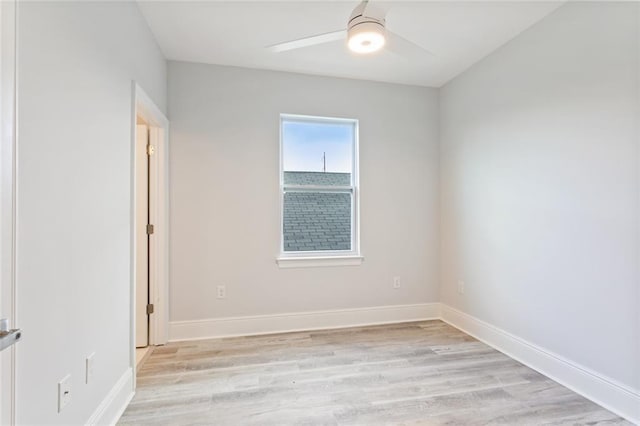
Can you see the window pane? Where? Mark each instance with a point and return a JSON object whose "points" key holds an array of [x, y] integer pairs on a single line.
{"points": [[315, 221], [317, 146], [317, 179]]}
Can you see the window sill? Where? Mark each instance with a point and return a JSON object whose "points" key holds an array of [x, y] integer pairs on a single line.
{"points": [[319, 261]]}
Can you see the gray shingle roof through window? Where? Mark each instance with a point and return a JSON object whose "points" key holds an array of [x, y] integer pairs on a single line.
{"points": [[317, 178], [317, 221]]}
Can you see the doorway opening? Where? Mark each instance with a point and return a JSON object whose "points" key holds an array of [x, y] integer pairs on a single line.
{"points": [[149, 295], [143, 234]]}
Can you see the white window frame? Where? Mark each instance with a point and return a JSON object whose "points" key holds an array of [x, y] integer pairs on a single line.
{"points": [[288, 259]]}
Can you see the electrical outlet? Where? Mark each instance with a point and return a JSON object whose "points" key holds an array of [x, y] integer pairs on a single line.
{"points": [[461, 287], [222, 292], [396, 282], [89, 368], [64, 392]]}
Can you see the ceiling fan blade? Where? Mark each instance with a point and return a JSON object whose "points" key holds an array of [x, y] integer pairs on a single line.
{"points": [[375, 10], [404, 47], [308, 41]]}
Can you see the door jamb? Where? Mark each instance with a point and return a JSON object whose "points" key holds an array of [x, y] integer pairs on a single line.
{"points": [[8, 204], [158, 123]]}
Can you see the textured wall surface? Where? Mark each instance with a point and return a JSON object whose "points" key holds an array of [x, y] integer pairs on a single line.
{"points": [[225, 122], [540, 165], [76, 64]]}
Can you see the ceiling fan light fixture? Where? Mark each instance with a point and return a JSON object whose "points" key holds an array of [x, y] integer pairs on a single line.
{"points": [[366, 37]]}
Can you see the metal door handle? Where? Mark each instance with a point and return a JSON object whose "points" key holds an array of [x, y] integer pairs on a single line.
{"points": [[8, 337]]}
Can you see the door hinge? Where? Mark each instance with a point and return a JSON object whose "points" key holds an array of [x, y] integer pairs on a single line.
{"points": [[150, 229], [150, 149], [149, 308]]}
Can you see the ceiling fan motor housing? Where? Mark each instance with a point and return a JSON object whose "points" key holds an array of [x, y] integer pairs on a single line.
{"points": [[365, 34], [360, 16]]}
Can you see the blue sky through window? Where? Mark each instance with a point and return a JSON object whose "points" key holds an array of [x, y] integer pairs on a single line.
{"points": [[303, 145]]}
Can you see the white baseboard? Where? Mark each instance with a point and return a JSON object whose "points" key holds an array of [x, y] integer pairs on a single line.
{"points": [[301, 321], [116, 401], [604, 391]]}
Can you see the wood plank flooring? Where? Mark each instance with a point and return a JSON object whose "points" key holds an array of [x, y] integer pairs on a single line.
{"points": [[425, 373]]}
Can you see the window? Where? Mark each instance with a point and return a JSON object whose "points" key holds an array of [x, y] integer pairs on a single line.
{"points": [[319, 187]]}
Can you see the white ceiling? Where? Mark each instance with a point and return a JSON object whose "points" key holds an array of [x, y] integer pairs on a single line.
{"points": [[237, 32]]}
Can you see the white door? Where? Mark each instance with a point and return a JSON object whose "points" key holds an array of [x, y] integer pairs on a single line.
{"points": [[7, 209], [142, 238]]}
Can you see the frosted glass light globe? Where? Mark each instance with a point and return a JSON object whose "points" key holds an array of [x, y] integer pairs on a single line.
{"points": [[366, 37]]}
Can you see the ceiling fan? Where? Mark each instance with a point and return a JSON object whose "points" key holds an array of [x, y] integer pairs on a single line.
{"points": [[366, 33]]}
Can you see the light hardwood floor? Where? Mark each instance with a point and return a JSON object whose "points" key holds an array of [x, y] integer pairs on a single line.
{"points": [[141, 356], [425, 373]]}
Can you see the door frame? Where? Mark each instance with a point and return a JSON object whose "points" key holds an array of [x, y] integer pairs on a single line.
{"points": [[158, 124], [8, 152]]}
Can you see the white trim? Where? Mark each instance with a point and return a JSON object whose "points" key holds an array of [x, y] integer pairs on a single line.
{"points": [[8, 203], [143, 106], [300, 321], [147, 109], [318, 188], [353, 189], [318, 119], [113, 405], [600, 389], [312, 262], [604, 391]]}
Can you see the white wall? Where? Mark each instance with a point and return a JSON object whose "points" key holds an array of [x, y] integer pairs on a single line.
{"points": [[225, 202], [540, 188], [76, 64]]}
